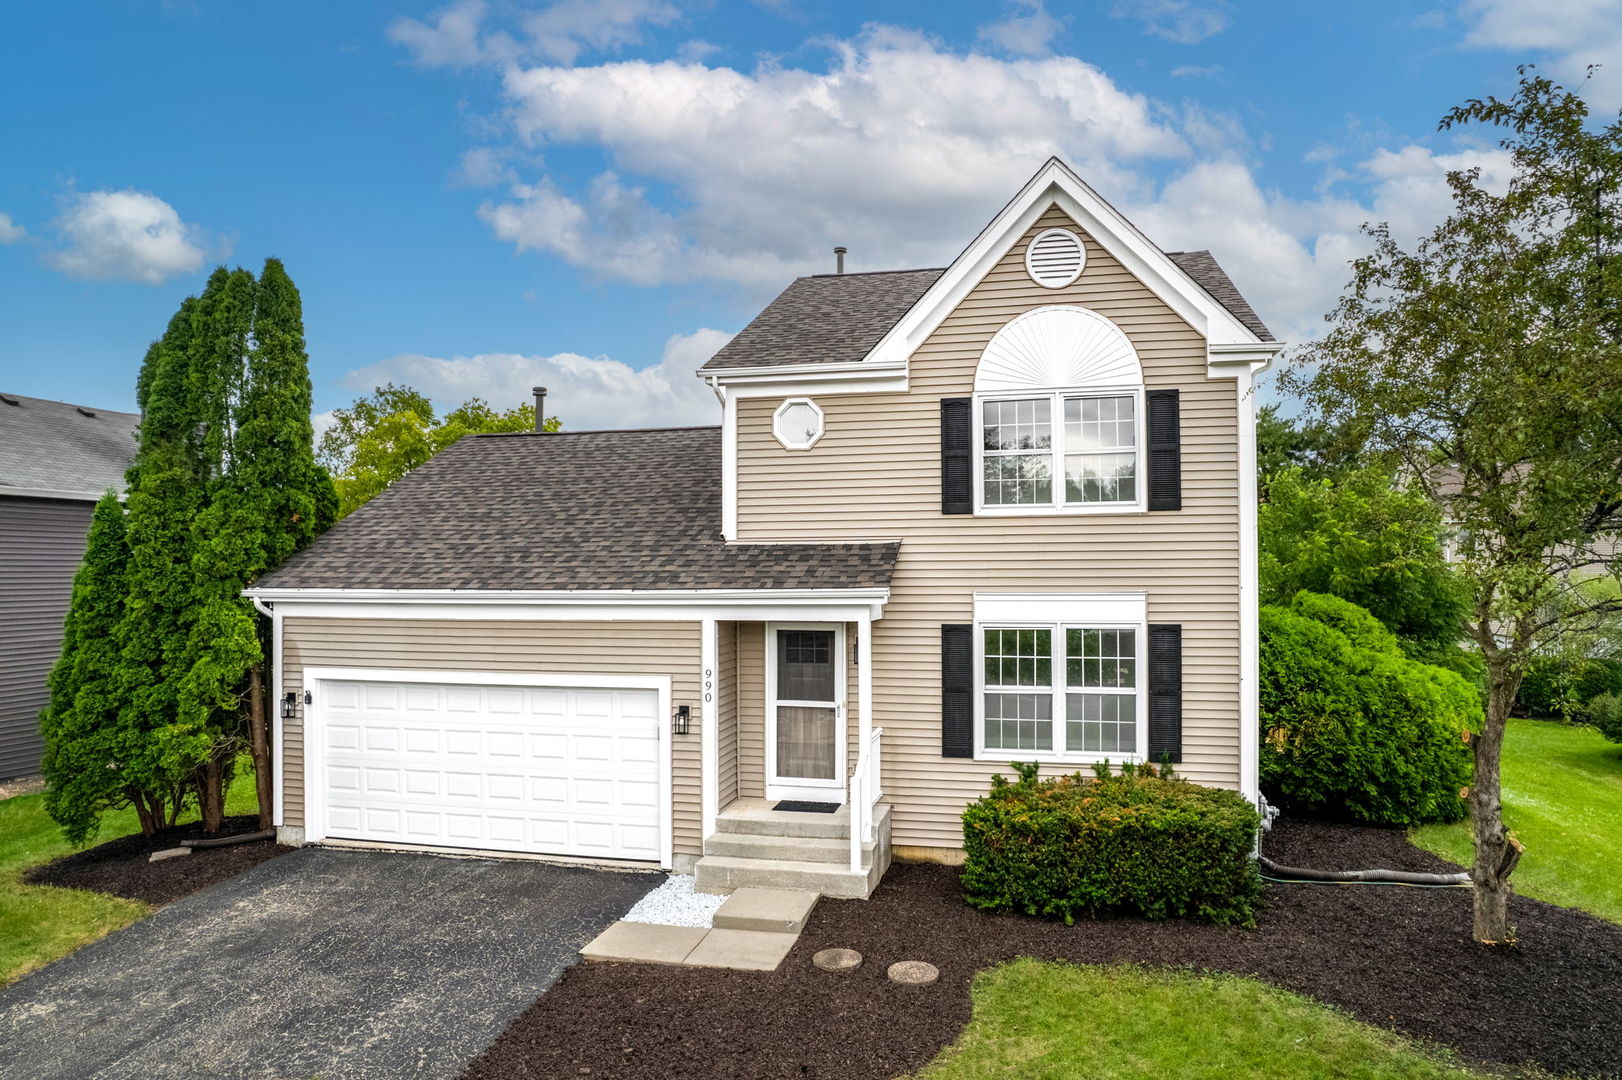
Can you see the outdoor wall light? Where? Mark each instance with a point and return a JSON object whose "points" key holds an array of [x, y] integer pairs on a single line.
{"points": [[289, 705], [680, 718]]}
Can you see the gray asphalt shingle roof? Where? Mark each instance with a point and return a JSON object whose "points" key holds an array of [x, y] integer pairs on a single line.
{"points": [[838, 318], [1209, 275], [54, 446], [590, 510], [825, 319]]}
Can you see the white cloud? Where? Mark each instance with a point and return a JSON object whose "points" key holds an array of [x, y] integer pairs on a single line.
{"points": [[584, 392], [485, 166], [10, 231], [126, 236], [1183, 21], [899, 150], [1195, 71], [1576, 33], [564, 30], [461, 35], [1027, 29]]}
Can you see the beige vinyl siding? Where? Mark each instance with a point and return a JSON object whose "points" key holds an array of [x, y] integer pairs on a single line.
{"points": [[726, 711], [875, 474], [574, 648]]}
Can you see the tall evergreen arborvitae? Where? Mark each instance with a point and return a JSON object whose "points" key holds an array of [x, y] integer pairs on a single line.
{"points": [[160, 685], [165, 495], [274, 500], [85, 747]]}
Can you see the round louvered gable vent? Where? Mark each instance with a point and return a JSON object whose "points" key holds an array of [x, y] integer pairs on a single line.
{"points": [[1055, 258]]}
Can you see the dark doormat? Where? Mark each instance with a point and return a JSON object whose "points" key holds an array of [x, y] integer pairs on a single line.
{"points": [[799, 806]]}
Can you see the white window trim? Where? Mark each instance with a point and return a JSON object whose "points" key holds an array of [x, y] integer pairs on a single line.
{"points": [[788, 403], [1057, 613], [832, 790], [1056, 453]]}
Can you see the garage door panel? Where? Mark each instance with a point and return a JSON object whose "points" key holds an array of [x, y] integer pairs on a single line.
{"points": [[544, 770]]}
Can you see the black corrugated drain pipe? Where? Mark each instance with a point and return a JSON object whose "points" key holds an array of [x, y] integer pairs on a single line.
{"points": [[1294, 875]]}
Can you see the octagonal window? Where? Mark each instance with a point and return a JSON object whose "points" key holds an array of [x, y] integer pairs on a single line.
{"points": [[797, 423]]}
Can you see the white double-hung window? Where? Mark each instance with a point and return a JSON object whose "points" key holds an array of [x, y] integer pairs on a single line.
{"points": [[1059, 416], [1061, 678]]}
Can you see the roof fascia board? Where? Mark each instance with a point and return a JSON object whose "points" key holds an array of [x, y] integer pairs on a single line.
{"points": [[48, 493], [860, 376]]}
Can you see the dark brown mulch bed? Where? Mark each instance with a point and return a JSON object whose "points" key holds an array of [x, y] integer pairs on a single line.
{"points": [[120, 867], [1398, 957]]}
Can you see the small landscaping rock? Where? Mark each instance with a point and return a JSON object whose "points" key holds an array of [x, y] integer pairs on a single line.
{"points": [[838, 959], [168, 853], [914, 973]]}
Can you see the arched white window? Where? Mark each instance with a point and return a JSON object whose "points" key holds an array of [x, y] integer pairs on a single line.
{"points": [[1059, 416]]}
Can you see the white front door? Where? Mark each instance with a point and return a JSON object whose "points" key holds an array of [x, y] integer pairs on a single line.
{"points": [[805, 711], [556, 770]]}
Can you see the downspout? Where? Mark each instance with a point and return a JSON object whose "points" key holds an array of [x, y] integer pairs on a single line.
{"points": [[268, 610]]}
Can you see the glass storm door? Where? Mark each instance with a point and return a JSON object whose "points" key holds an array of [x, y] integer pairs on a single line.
{"points": [[805, 720]]}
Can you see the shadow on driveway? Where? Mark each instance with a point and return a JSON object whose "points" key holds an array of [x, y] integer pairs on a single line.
{"points": [[322, 963]]}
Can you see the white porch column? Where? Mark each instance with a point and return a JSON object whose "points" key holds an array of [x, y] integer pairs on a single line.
{"points": [[864, 685], [709, 735]]}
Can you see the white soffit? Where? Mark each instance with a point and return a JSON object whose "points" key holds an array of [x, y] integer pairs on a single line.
{"points": [[1058, 347]]}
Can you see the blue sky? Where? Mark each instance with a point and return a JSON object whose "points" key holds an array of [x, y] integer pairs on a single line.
{"points": [[595, 193]]}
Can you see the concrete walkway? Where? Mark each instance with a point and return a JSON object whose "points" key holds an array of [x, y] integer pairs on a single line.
{"points": [[341, 965], [752, 931]]}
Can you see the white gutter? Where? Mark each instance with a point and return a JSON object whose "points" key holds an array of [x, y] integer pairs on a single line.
{"points": [[593, 597], [53, 493]]}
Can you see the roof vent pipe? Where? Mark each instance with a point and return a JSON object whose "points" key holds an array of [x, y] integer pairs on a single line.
{"points": [[839, 260], [540, 408]]}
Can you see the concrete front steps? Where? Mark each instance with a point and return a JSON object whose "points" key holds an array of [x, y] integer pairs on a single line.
{"points": [[756, 847], [753, 931]]}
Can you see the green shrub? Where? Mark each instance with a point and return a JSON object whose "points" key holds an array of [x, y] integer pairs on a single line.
{"points": [[1605, 713], [1557, 686], [1351, 729], [1138, 842]]}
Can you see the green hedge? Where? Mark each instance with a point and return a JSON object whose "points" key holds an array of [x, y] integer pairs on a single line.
{"points": [[1353, 730], [1554, 686], [1133, 842]]}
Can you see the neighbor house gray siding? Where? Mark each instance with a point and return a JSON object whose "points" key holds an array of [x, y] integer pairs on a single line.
{"points": [[41, 543]]}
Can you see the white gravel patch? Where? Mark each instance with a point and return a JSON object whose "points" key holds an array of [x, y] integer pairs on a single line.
{"points": [[676, 904]]}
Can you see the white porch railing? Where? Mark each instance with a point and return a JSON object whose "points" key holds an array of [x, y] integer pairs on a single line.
{"points": [[864, 795]]}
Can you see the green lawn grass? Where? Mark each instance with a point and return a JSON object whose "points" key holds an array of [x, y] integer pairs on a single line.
{"points": [[38, 923], [1040, 1021], [1563, 799]]}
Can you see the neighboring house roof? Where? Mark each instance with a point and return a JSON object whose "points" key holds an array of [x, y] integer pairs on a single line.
{"points": [[839, 318], [590, 510], [1209, 275], [57, 449]]}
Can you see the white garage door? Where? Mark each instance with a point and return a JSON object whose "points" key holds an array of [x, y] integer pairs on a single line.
{"points": [[558, 771]]}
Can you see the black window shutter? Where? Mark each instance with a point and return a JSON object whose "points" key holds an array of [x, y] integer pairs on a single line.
{"points": [[1165, 450], [1165, 692], [957, 690], [957, 455]]}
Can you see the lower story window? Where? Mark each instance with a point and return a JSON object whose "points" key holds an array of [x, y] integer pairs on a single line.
{"points": [[1088, 676]]}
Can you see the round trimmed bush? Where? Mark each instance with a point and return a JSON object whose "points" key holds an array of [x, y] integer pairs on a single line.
{"points": [[1134, 841], [1353, 730]]}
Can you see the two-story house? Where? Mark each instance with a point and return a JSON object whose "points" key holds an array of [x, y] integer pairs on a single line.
{"points": [[951, 519]]}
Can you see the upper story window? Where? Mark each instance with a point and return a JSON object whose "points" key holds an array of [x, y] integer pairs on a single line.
{"points": [[1059, 416], [797, 423]]}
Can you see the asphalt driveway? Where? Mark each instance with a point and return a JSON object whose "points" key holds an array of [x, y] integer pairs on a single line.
{"points": [[322, 964]]}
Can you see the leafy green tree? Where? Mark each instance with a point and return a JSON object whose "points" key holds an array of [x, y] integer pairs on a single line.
{"points": [[1487, 355], [393, 430], [85, 748], [273, 500], [1317, 449], [1361, 538]]}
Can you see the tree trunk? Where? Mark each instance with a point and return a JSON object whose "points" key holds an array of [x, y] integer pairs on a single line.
{"points": [[149, 818], [211, 794], [259, 741], [1496, 851]]}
